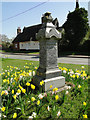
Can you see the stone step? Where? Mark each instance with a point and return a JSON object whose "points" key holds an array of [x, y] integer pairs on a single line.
{"points": [[49, 73], [53, 73], [55, 82]]}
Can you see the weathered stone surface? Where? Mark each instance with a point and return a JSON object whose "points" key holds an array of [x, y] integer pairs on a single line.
{"points": [[48, 53], [55, 82], [48, 69]]}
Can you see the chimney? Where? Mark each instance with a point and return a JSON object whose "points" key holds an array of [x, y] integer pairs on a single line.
{"points": [[77, 4], [18, 30]]}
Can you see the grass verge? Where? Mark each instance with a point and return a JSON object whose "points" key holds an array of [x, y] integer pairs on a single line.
{"points": [[21, 100], [20, 63]]}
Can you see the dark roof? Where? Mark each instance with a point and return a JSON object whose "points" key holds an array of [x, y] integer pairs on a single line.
{"points": [[28, 33]]}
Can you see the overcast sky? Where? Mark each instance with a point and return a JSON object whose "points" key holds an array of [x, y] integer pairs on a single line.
{"points": [[20, 14]]}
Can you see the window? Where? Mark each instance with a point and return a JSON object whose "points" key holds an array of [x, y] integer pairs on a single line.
{"points": [[16, 46]]}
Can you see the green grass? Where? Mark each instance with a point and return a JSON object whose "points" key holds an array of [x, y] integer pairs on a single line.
{"points": [[65, 53], [21, 63], [2, 50], [33, 53], [17, 63], [28, 52], [70, 105]]}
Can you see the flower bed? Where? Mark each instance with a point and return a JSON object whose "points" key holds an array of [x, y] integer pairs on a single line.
{"points": [[21, 99]]}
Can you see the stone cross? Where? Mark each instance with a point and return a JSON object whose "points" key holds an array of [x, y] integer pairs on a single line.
{"points": [[48, 70]]}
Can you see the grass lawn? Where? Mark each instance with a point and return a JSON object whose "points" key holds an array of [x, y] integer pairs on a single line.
{"points": [[28, 52], [22, 100], [21, 63], [17, 63], [73, 53]]}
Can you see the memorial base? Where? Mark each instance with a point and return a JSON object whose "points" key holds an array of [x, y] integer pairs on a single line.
{"points": [[54, 81]]}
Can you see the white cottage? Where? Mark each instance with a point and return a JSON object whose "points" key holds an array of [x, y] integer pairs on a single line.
{"points": [[26, 40]]}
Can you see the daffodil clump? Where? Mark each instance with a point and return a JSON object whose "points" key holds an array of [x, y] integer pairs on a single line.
{"points": [[21, 99]]}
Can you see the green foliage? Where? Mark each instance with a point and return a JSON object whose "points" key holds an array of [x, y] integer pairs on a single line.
{"points": [[87, 37], [76, 27]]}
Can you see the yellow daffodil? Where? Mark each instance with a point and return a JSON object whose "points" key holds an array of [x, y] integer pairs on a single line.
{"points": [[32, 86], [14, 97], [18, 91], [8, 81], [11, 75], [20, 87], [84, 103], [42, 82], [83, 72], [69, 70], [55, 89], [23, 90], [12, 91], [30, 71], [28, 84], [60, 68], [84, 75], [3, 92], [73, 76], [33, 99], [13, 83], [38, 102], [56, 97], [8, 73], [85, 116], [50, 86], [65, 69], [88, 77], [77, 76], [82, 67], [3, 73], [77, 71], [4, 80], [3, 109], [79, 86], [14, 115], [18, 72], [36, 68]]}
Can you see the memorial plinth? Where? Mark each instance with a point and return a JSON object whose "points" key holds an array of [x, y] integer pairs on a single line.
{"points": [[48, 70]]}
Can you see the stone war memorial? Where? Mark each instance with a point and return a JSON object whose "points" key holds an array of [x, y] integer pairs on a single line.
{"points": [[48, 70]]}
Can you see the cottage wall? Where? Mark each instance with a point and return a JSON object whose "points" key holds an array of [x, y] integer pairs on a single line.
{"points": [[30, 45]]}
